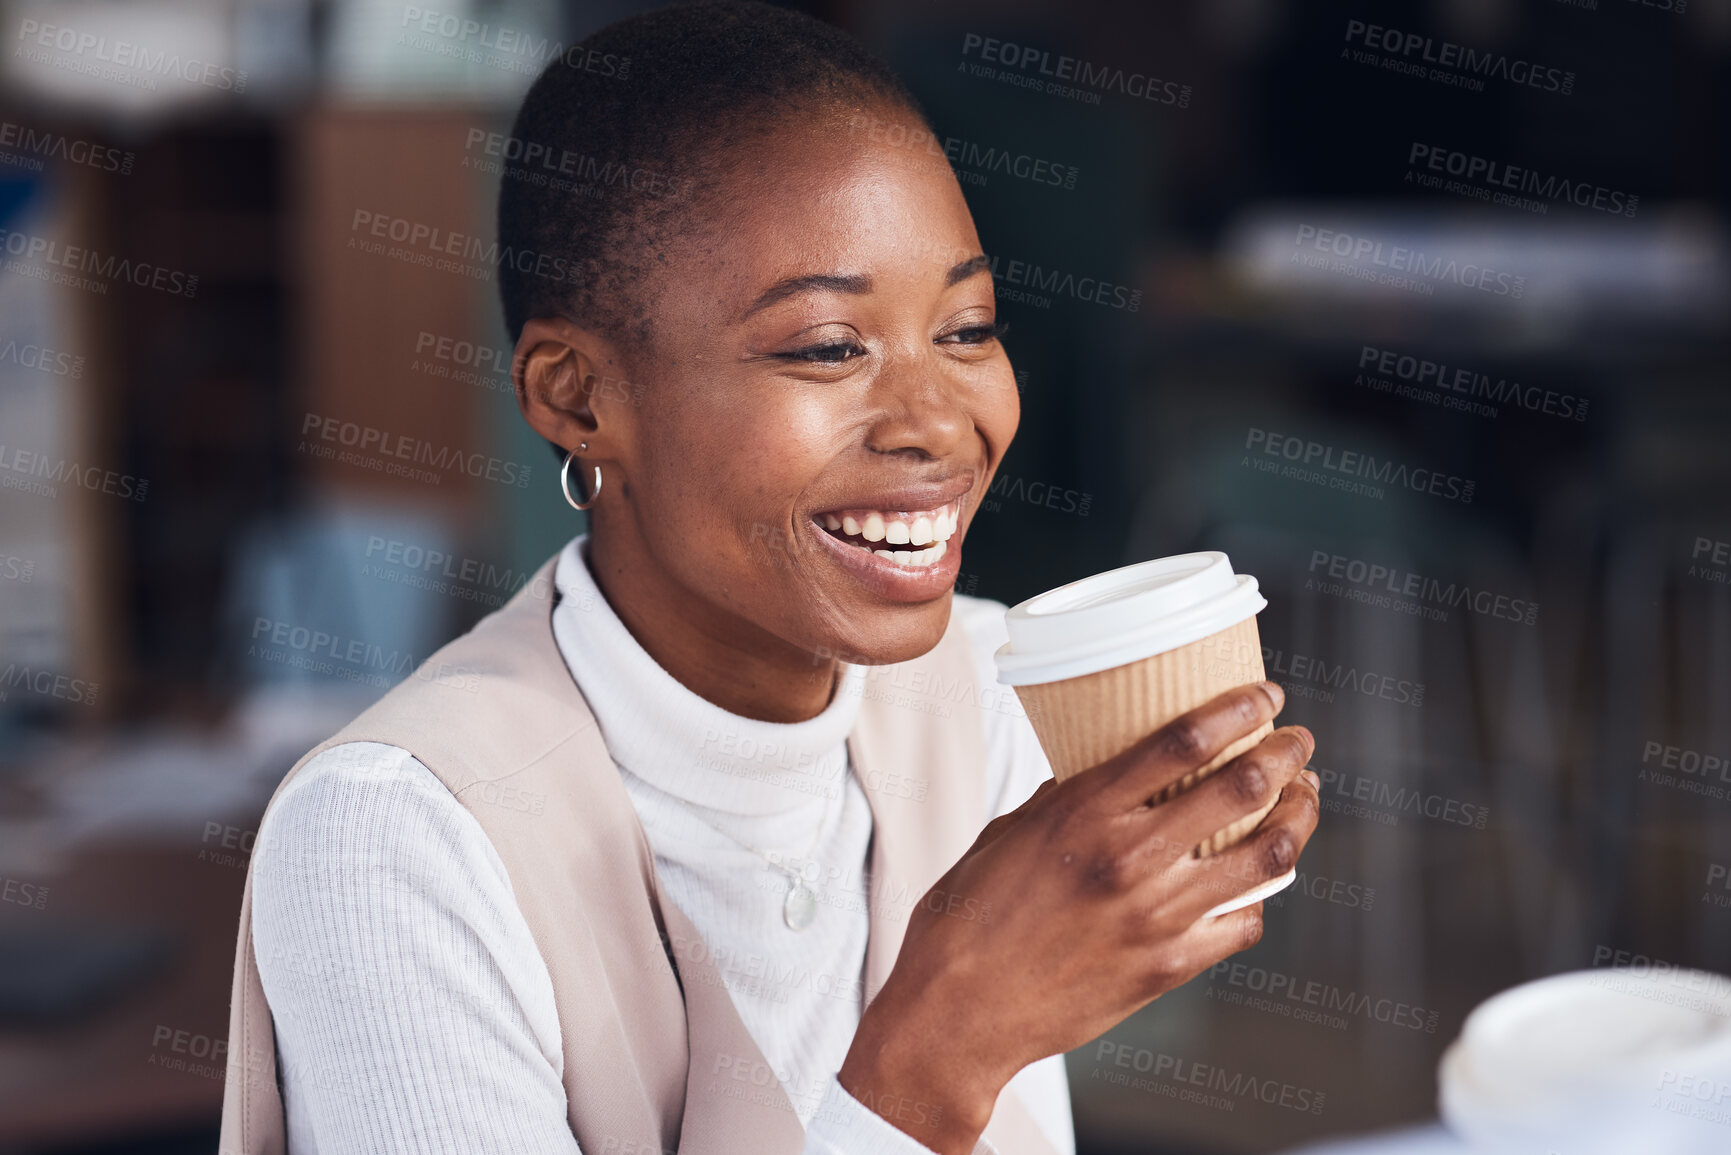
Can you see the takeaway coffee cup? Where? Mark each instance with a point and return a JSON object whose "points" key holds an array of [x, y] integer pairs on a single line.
{"points": [[1102, 662], [1595, 1062]]}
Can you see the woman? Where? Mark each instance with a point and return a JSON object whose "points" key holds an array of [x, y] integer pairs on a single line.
{"points": [[689, 856]]}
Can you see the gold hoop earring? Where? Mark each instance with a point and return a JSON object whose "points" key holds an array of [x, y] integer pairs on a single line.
{"points": [[565, 481]]}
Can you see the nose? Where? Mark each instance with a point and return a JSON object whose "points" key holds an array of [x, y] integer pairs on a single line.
{"points": [[921, 412]]}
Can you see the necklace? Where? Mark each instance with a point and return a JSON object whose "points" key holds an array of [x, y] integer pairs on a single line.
{"points": [[799, 908]]}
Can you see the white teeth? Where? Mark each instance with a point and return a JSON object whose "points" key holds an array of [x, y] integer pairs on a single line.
{"points": [[915, 558], [930, 530]]}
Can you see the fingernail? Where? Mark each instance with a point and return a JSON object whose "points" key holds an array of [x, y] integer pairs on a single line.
{"points": [[1275, 694], [1309, 740], [1310, 777]]}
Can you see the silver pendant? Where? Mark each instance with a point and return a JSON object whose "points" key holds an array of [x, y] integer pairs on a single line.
{"points": [[800, 907]]}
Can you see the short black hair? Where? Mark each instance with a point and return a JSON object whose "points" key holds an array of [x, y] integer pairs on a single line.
{"points": [[623, 134]]}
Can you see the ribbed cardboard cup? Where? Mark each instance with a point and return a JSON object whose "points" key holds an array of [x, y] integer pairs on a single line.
{"points": [[1101, 663], [1083, 721]]}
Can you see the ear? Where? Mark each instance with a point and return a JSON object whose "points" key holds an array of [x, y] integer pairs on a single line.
{"points": [[569, 387]]}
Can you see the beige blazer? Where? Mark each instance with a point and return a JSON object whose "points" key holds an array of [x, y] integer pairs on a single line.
{"points": [[654, 1049]]}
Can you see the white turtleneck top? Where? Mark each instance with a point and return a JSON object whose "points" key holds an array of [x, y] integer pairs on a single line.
{"points": [[413, 1010]]}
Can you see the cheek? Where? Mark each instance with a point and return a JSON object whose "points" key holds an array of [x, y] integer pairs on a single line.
{"points": [[997, 411], [734, 471]]}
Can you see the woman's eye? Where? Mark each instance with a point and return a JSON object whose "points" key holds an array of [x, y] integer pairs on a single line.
{"points": [[832, 353], [979, 334]]}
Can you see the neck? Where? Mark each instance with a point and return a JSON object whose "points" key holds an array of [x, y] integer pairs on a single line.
{"points": [[716, 655]]}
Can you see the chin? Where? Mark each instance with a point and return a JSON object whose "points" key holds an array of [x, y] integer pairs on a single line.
{"points": [[883, 635]]}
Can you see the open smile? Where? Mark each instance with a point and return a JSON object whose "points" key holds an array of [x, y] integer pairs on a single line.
{"points": [[901, 555], [916, 538]]}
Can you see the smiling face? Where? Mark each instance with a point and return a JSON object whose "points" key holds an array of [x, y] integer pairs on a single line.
{"points": [[824, 406]]}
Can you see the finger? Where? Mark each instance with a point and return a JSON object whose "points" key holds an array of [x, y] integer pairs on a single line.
{"points": [[1269, 852], [1244, 786], [1197, 741], [1212, 939]]}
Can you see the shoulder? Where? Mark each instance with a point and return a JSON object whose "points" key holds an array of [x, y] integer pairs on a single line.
{"points": [[383, 924], [346, 798], [364, 826]]}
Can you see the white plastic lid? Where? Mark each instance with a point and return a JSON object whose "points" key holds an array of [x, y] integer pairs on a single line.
{"points": [[1124, 615], [1600, 1062]]}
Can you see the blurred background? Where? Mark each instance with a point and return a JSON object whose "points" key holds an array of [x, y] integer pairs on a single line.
{"points": [[1416, 309]]}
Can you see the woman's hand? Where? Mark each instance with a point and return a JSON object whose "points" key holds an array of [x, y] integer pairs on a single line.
{"points": [[1097, 908]]}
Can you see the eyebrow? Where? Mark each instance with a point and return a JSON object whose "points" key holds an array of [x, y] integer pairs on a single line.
{"points": [[855, 283]]}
